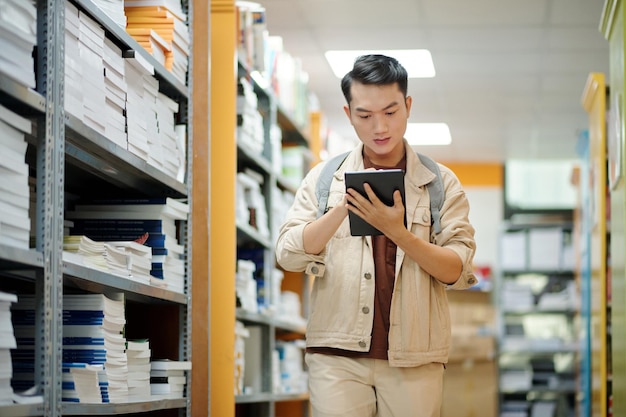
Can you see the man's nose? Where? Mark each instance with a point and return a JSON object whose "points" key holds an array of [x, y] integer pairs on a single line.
{"points": [[380, 124]]}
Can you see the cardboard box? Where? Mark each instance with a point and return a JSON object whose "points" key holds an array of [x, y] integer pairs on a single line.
{"points": [[470, 389]]}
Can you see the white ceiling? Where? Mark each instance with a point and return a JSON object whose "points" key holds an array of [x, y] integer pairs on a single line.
{"points": [[510, 74]]}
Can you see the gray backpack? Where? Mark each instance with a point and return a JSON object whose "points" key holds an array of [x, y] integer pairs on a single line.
{"points": [[435, 187]]}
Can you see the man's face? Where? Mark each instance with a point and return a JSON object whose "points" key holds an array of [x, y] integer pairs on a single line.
{"points": [[379, 115]]}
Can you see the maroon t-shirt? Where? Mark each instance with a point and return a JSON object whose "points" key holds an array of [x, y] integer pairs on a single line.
{"points": [[385, 270]]}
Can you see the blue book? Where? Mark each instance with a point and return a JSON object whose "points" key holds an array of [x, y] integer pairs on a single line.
{"points": [[138, 225]]}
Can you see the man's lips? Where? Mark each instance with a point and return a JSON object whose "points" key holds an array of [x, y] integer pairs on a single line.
{"points": [[381, 140]]}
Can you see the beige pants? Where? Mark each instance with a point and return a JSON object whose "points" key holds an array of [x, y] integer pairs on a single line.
{"points": [[348, 387]]}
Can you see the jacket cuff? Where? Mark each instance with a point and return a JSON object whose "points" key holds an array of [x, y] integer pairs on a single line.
{"points": [[467, 278], [315, 268]]}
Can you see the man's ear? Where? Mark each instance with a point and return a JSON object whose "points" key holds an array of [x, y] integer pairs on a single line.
{"points": [[409, 102], [346, 109]]}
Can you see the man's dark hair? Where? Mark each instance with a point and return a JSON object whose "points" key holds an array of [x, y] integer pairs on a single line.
{"points": [[375, 69]]}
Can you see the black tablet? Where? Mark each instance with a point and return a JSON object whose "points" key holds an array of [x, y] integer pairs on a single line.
{"points": [[383, 182]]}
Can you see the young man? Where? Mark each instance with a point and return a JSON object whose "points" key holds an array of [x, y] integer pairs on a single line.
{"points": [[378, 333]]}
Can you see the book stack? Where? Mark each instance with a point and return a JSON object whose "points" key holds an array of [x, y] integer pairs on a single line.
{"points": [[73, 65], [14, 189], [252, 30], [91, 53], [23, 356], [155, 217], [115, 94], [251, 203], [81, 250], [138, 354], [81, 383], [93, 327], [7, 342], [160, 27], [18, 36], [164, 151], [157, 46], [138, 259], [141, 97], [250, 132], [168, 379]]}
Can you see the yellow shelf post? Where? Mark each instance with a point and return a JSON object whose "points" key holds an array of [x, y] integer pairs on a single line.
{"points": [[222, 231], [594, 102]]}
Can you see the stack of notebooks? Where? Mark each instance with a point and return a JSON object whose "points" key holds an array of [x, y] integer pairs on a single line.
{"points": [[128, 259], [7, 342], [23, 356], [250, 132], [168, 378], [14, 187], [134, 218], [115, 94], [93, 326], [84, 79], [141, 97], [138, 354], [164, 149], [81, 383], [160, 27], [18, 36]]}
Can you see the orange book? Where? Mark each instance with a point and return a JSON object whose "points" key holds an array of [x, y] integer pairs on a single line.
{"points": [[166, 34], [150, 25], [147, 13], [144, 19], [156, 6], [135, 30]]}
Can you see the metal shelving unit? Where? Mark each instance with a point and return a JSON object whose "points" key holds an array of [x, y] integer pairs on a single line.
{"points": [[67, 151], [270, 327], [537, 347]]}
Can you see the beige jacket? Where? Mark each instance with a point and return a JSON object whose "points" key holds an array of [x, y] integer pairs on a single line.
{"points": [[342, 296]]}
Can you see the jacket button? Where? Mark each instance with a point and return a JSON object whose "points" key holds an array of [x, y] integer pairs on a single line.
{"points": [[425, 217], [365, 310], [368, 275], [362, 344], [315, 270]]}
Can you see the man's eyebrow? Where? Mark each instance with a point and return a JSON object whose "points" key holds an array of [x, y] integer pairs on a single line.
{"points": [[361, 109]]}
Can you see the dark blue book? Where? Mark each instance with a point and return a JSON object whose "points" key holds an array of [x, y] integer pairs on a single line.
{"points": [[83, 341], [140, 226]]}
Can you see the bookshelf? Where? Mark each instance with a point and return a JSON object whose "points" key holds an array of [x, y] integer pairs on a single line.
{"points": [[536, 298], [269, 327], [71, 159], [594, 219], [237, 233], [612, 27]]}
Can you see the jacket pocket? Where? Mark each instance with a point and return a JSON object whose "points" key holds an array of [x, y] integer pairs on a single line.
{"points": [[420, 222]]}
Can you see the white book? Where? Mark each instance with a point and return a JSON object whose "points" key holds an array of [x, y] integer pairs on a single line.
{"points": [[12, 139], [14, 162], [167, 388], [15, 120], [17, 243], [165, 364]]}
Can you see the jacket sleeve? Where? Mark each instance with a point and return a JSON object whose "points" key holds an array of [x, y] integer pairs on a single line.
{"points": [[457, 232], [290, 253]]}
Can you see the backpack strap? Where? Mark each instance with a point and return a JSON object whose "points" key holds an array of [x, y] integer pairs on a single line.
{"points": [[322, 188], [435, 191]]}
